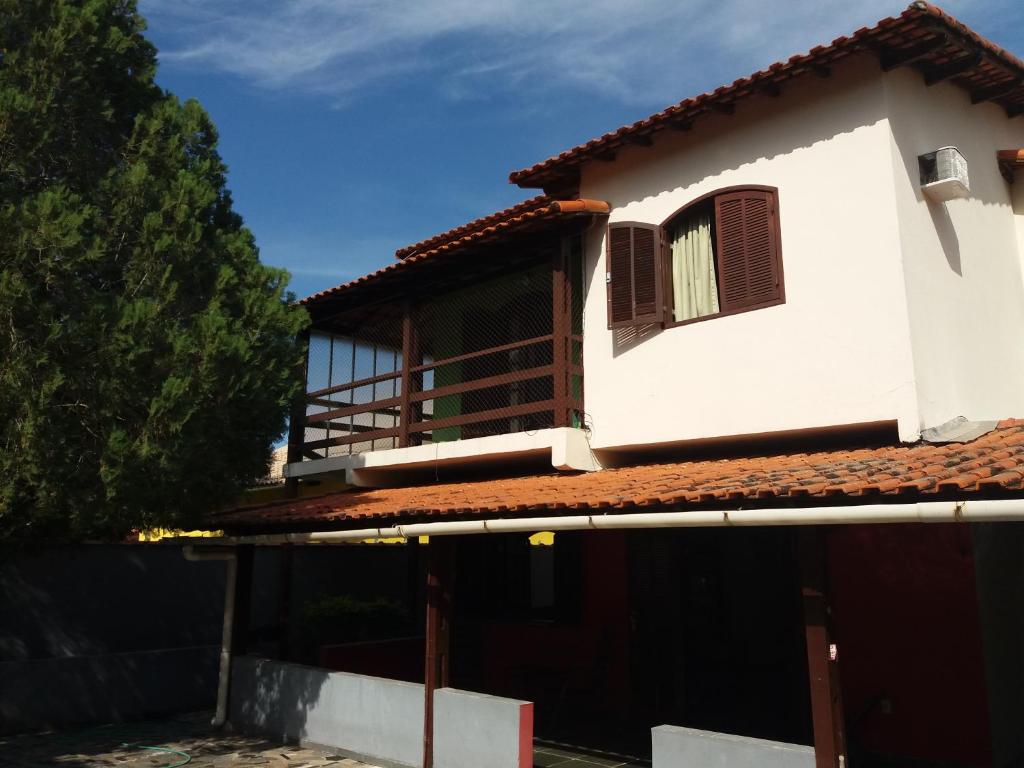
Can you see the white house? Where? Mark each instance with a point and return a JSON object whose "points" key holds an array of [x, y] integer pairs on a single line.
{"points": [[793, 305]]}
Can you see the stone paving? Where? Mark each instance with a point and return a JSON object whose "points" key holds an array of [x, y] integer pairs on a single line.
{"points": [[186, 740]]}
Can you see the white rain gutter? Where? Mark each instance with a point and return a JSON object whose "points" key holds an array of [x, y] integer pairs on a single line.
{"points": [[973, 511], [230, 579]]}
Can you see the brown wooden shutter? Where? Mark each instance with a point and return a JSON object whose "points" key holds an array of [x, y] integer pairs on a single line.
{"points": [[634, 275], [749, 273]]}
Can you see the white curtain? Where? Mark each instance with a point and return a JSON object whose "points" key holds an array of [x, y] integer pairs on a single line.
{"points": [[694, 288]]}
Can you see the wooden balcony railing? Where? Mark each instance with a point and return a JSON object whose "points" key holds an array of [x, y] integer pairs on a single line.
{"points": [[524, 384], [502, 404]]}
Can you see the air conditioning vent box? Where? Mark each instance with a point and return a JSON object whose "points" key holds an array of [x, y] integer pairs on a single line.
{"points": [[944, 174]]}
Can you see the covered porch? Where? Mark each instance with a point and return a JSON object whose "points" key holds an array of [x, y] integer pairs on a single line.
{"points": [[670, 611]]}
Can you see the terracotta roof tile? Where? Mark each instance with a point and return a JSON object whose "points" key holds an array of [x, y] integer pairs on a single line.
{"points": [[504, 222], [534, 203], [997, 75], [994, 461]]}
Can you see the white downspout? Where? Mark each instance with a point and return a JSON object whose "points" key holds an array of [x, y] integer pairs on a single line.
{"points": [[973, 511], [230, 580]]}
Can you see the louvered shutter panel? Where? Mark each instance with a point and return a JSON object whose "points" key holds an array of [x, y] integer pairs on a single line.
{"points": [[748, 264], [634, 275], [620, 276]]}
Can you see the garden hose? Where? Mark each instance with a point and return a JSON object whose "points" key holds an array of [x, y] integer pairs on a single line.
{"points": [[187, 758]]}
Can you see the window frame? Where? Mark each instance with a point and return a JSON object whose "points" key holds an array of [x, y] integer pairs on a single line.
{"points": [[668, 313]]}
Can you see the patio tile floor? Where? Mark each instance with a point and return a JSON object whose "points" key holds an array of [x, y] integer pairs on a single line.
{"points": [[171, 740]]}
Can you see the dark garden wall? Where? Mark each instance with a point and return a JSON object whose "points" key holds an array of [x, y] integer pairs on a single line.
{"points": [[102, 633], [98, 633]]}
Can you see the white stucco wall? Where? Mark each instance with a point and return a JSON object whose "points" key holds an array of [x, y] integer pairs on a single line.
{"points": [[838, 351], [962, 259]]}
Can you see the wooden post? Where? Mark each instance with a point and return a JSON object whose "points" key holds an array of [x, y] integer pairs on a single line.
{"points": [[411, 382], [297, 419], [560, 328], [823, 670], [440, 582]]}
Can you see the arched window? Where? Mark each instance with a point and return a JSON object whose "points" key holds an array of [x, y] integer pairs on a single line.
{"points": [[717, 255]]}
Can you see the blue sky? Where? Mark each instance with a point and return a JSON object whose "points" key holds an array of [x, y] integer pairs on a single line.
{"points": [[353, 127]]}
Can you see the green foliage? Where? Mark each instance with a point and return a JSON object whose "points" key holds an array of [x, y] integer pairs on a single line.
{"points": [[147, 357], [343, 618]]}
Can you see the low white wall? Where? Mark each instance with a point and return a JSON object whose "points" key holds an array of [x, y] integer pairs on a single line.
{"points": [[676, 747], [366, 717], [474, 729]]}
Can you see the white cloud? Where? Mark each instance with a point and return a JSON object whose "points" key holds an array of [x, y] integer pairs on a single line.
{"points": [[651, 52]]}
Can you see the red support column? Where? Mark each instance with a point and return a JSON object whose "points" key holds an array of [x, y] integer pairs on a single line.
{"points": [[822, 664], [440, 583]]}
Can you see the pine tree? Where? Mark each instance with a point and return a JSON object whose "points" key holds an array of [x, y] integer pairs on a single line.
{"points": [[147, 357]]}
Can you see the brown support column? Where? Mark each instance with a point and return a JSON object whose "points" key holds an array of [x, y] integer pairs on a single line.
{"points": [[297, 419], [560, 328], [440, 583], [408, 411], [823, 671]]}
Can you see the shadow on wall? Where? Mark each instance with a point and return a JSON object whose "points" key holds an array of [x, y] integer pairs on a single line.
{"points": [[624, 339], [947, 235], [273, 698], [369, 718]]}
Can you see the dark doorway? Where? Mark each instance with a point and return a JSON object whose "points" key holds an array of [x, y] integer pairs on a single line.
{"points": [[611, 633], [717, 632]]}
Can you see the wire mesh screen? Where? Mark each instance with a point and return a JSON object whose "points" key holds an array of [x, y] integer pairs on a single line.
{"points": [[487, 352], [501, 355], [353, 387]]}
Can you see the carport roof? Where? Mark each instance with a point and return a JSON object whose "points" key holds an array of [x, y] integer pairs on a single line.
{"points": [[990, 465]]}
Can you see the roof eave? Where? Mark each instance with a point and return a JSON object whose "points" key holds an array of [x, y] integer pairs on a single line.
{"points": [[932, 31]]}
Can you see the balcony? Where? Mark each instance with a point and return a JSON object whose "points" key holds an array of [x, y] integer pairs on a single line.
{"points": [[475, 354]]}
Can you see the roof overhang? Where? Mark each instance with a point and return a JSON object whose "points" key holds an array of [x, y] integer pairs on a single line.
{"points": [[986, 468], [491, 244], [923, 37]]}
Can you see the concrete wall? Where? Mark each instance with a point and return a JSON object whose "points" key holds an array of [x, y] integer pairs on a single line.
{"points": [[962, 259], [914, 699], [676, 747], [378, 720], [474, 729], [367, 717], [838, 351]]}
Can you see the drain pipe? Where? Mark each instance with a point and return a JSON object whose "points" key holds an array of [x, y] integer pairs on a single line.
{"points": [[230, 558], [973, 511]]}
